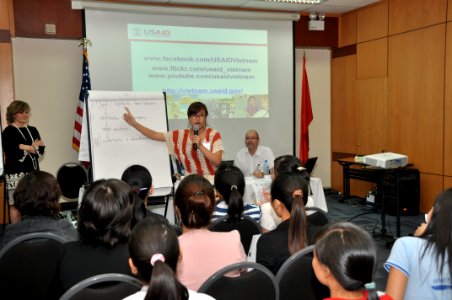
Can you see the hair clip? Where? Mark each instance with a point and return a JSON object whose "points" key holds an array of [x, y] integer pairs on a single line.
{"points": [[157, 257], [370, 286], [301, 169], [297, 193], [136, 190], [198, 193], [233, 187]]}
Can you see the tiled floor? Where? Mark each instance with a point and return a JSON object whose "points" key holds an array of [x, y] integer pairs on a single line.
{"points": [[353, 210]]}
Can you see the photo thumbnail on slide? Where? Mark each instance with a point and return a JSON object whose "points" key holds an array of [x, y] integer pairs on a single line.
{"points": [[227, 69]]}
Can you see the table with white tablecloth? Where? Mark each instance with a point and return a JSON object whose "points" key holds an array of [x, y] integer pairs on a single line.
{"points": [[256, 187]]}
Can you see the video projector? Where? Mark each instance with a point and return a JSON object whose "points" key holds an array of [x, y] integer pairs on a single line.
{"points": [[387, 160]]}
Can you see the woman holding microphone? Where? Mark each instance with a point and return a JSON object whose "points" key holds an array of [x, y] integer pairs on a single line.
{"points": [[199, 149]]}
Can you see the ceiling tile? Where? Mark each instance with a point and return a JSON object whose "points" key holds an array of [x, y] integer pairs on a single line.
{"points": [[352, 3], [277, 5], [328, 6]]}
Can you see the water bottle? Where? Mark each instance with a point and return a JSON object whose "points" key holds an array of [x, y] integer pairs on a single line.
{"points": [[266, 168]]}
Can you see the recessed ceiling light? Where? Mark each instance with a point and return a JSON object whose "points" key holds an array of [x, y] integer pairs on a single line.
{"points": [[297, 1]]}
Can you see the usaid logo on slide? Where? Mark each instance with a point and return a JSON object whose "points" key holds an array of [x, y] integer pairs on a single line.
{"points": [[143, 32], [155, 32]]}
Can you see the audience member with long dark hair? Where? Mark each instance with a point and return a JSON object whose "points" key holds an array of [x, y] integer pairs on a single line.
{"points": [[230, 184], [345, 258], [293, 234], [37, 198], [282, 164], [203, 252], [288, 163], [154, 253], [140, 181], [103, 225], [420, 267]]}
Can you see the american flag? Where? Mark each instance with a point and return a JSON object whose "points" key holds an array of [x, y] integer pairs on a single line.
{"points": [[86, 85]]}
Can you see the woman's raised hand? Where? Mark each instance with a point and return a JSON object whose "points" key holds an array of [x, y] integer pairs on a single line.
{"points": [[128, 117]]}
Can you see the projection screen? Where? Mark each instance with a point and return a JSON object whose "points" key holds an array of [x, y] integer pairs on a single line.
{"points": [[241, 69]]}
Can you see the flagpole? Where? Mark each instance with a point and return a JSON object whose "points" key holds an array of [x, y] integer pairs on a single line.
{"points": [[85, 85]]}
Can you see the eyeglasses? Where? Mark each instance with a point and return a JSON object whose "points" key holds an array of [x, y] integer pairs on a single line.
{"points": [[201, 116], [251, 138]]}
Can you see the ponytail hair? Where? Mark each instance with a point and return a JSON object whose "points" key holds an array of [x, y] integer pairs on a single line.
{"points": [[195, 201], [154, 250], [290, 163], [140, 181], [164, 284], [350, 254], [139, 178], [289, 188], [230, 183], [437, 233]]}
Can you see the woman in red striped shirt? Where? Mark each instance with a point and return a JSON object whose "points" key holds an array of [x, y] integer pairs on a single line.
{"points": [[199, 153]]}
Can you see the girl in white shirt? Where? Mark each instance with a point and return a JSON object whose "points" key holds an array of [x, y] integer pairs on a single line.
{"points": [[154, 253]]}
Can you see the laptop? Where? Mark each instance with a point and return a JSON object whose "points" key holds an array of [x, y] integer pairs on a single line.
{"points": [[310, 164]]}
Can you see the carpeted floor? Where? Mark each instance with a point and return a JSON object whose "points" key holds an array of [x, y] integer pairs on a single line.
{"points": [[354, 210]]}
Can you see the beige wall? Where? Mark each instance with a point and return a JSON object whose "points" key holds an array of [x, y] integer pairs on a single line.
{"points": [[47, 74]]}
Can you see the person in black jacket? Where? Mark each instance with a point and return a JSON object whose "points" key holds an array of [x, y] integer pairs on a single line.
{"points": [[288, 194], [140, 181], [22, 146], [103, 225]]}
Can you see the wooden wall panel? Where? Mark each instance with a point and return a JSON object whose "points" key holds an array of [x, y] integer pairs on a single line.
{"points": [[306, 38], [372, 22], [416, 97], [6, 78], [336, 177], [357, 187], [4, 18], [447, 182], [372, 104], [372, 59], [343, 104], [31, 17], [449, 10], [360, 188], [431, 186], [406, 15], [347, 29], [448, 104], [6, 21], [6, 72]]}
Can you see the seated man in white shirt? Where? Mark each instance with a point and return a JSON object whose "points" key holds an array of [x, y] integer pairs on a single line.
{"points": [[250, 160]]}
